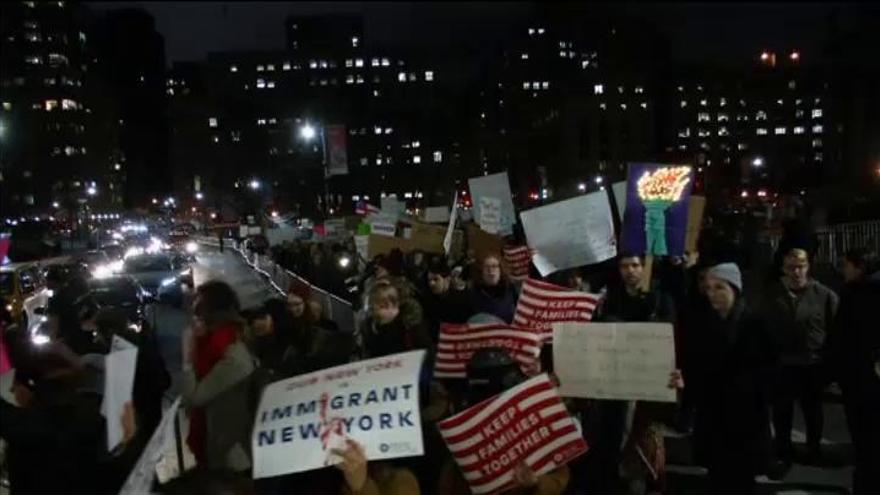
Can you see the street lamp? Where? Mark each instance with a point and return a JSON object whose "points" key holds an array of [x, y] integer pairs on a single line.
{"points": [[582, 187], [307, 132], [92, 190], [200, 196], [254, 184], [758, 162], [598, 179]]}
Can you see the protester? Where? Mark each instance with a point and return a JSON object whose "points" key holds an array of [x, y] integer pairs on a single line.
{"points": [[319, 316], [490, 372], [628, 301], [854, 361], [492, 291], [441, 302], [731, 358], [270, 343], [57, 436], [395, 323], [574, 280], [799, 312], [215, 386]]}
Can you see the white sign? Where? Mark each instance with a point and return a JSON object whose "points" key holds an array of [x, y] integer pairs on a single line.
{"points": [[490, 214], [620, 361], [374, 402], [619, 190], [436, 214], [140, 480], [392, 207], [385, 228], [450, 229], [570, 233], [362, 245], [494, 186], [119, 369]]}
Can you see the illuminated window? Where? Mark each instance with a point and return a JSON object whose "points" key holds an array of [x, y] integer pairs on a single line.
{"points": [[722, 102], [780, 102], [323, 64], [791, 85], [524, 56], [816, 113], [761, 131], [683, 103], [429, 75], [261, 83], [212, 122], [639, 90], [417, 159], [388, 130], [703, 117], [527, 85], [358, 62], [233, 68], [722, 117], [348, 63], [722, 131], [644, 105], [817, 143], [741, 146], [270, 84], [51, 105], [704, 102], [416, 144], [385, 62], [817, 129], [598, 89], [355, 41], [602, 106], [349, 79], [285, 66], [314, 64], [761, 115], [7, 106], [401, 76], [34, 60], [365, 161], [818, 157], [683, 133], [799, 129], [260, 68], [377, 130], [270, 67], [702, 133], [779, 131], [799, 114], [378, 161], [412, 76], [374, 62], [438, 156], [261, 121]]}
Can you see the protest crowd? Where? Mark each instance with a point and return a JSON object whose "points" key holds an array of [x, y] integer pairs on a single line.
{"points": [[493, 401]]}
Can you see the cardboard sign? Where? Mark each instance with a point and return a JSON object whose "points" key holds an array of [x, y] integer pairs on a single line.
{"points": [[657, 200], [494, 186], [490, 214], [526, 424], [458, 343], [428, 238], [436, 214], [517, 259], [575, 232], [374, 402], [619, 361], [541, 304], [140, 480], [618, 189], [483, 243], [695, 223]]}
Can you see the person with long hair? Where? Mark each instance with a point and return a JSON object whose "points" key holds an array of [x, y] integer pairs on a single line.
{"points": [[215, 385], [492, 292]]}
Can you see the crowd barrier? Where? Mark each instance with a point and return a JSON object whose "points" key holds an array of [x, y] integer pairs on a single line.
{"points": [[833, 241], [335, 308]]}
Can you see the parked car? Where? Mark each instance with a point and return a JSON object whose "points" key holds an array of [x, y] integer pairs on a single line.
{"points": [[162, 275], [24, 292], [122, 292]]}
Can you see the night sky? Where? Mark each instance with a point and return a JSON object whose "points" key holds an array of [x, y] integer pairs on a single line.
{"points": [[696, 31]]}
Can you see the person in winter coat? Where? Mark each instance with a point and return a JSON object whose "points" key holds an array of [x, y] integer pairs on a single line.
{"points": [[56, 437], [215, 385], [799, 312], [442, 303], [854, 362], [272, 350], [395, 323], [492, 291], [627, 301], [732, 361]]}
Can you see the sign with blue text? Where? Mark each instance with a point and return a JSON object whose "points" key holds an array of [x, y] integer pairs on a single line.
{"points": [[375, 402]]}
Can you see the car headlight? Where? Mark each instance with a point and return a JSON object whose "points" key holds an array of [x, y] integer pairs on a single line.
{"points": [[168, 281], [191, 247], [102, 271], [40, 339]]}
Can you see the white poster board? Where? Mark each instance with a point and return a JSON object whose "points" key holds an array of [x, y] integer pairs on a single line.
{"points": [[620, 361], [490, 214], [119, 369], [436, 214], [392, 207], [450, 229], [374, 402], [494, 186], [575, 232], [140, 480]]}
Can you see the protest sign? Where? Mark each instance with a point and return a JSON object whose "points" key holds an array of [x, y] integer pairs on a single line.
{"points": [[618, 189], [362, 245], [428, 238], [374, 402], [620, 361], [577, 231], [457, 343], [517, 259], [695, 222], [483, 243], [382, 225], [392, 207], [526, 424], [490, 214], [447, 239], [140, 480], [334, 227], [436, 214], [540, 305], [657, 198], [494, 186], [119, 369]]}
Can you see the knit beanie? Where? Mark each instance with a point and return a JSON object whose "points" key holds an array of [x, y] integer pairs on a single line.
{"points": [[728, 272]]}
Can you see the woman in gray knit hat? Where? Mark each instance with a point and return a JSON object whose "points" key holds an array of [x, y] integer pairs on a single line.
{"points": [[733, 362]]}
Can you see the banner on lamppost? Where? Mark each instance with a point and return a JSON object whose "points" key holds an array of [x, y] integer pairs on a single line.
{"points": [[337, 156]]}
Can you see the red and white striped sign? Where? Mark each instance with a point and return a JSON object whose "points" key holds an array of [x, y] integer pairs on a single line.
{"points": [[517, 259], [542, 304], [525, 424], [457, 343]]}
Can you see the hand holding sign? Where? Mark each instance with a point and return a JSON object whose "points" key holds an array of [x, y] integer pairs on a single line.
{"points": [[353, 465]]}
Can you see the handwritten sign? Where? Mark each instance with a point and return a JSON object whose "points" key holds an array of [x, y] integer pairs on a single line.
{"points": [[625, 361], [570, 233], [140, 480], [392, 207], [490, 214], [527, 424], [374, 402], [494, 186], [657, 199]]}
